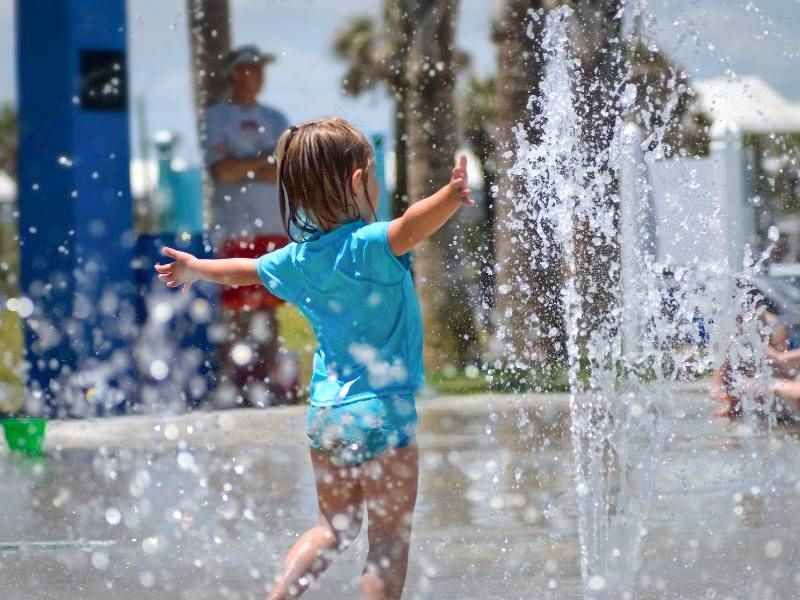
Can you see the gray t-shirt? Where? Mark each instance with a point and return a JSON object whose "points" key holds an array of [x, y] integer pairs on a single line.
{"points": [[235, 131]]}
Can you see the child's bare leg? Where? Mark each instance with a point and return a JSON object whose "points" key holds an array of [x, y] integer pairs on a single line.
{"points": [[341, 512], [390, 490]]}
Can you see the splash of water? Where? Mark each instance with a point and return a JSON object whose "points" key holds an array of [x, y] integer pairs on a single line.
{"points": [[623, 366]]}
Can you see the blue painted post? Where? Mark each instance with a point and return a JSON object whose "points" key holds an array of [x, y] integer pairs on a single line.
{"points": [[379, 147], [187, 212], [180, 191], [75, 218]]}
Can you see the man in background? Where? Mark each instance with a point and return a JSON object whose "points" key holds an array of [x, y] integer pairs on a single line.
{"points": [[240, 139]]}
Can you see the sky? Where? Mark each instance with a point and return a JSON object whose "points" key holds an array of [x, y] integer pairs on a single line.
{"points": [[707, 37]]}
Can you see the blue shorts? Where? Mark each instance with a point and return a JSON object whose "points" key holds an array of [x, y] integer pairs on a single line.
{"points": [[359, 431]]}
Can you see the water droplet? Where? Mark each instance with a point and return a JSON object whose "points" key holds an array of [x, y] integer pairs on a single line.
{"points": [[340, 522], [22, 306], [171, 432], [147, 579], [773, 549], [597, 583], [113, 516], [773, 234], [629, 95], [242, 354], [162, 312], [200, 311], [186, 461], [100, 561], [159, 370], [150, 545]]}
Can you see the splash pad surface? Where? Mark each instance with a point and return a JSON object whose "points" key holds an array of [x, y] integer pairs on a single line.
{"points": [[210, 501]]}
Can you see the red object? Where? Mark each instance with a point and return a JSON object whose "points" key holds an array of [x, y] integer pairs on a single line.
{"points": [[254, 297]]}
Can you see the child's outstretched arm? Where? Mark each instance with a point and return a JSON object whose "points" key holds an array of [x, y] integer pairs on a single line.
{"points": [[187, 269], [426, 217]]}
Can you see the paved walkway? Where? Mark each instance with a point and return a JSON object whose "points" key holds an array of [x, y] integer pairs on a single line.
{"points": [[203, 505]]}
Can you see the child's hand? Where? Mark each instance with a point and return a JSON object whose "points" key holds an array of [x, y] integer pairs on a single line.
{"points": [[180, 272], [459, 182]]}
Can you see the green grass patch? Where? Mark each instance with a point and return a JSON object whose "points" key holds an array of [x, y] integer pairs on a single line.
{"points": [[298, 337], [10, 347], [538, 380], [474, 381], [452, 383], [11, 356]]}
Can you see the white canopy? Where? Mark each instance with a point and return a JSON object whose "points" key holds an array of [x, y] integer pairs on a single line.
{"points": [[748, 104]]}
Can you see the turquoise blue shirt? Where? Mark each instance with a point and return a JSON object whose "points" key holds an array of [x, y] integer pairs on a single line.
{"points": [[361, 302]]}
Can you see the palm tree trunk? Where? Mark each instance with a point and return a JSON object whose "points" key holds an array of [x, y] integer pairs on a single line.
{"points": [[529, 274], [450, 322], [400, 30], [488, 260], [400, 196], [600, 51], [210, 42]]}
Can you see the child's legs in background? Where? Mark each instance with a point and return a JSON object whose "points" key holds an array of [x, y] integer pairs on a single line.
{"points": [[389, 485], [249, 318], [341, 502], [257, 331]]}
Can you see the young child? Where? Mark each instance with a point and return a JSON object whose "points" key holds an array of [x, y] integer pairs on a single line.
{"points": [[729, 381], [350, 277]]}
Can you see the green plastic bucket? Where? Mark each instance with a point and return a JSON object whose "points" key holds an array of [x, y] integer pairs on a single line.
{"points": [[25, 435]]}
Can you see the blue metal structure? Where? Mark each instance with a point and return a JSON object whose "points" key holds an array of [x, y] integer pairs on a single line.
{"points": [[76, 230], [87, 273], [185, 336]]}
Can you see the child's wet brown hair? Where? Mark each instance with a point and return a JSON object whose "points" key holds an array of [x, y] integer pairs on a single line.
{"points": [[316, 161]]}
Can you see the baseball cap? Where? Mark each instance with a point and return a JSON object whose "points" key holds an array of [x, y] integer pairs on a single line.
{"points": [[247, 55]]}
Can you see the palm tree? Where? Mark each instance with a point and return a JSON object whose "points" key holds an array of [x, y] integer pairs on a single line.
{"points": [[527, 291], [210, 42], [600, 49], [416, 39], [432, 132], [379, 56], [478, 116]]}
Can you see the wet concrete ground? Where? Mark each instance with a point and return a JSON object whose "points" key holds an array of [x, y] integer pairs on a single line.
{"points": [[204, 505]]}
